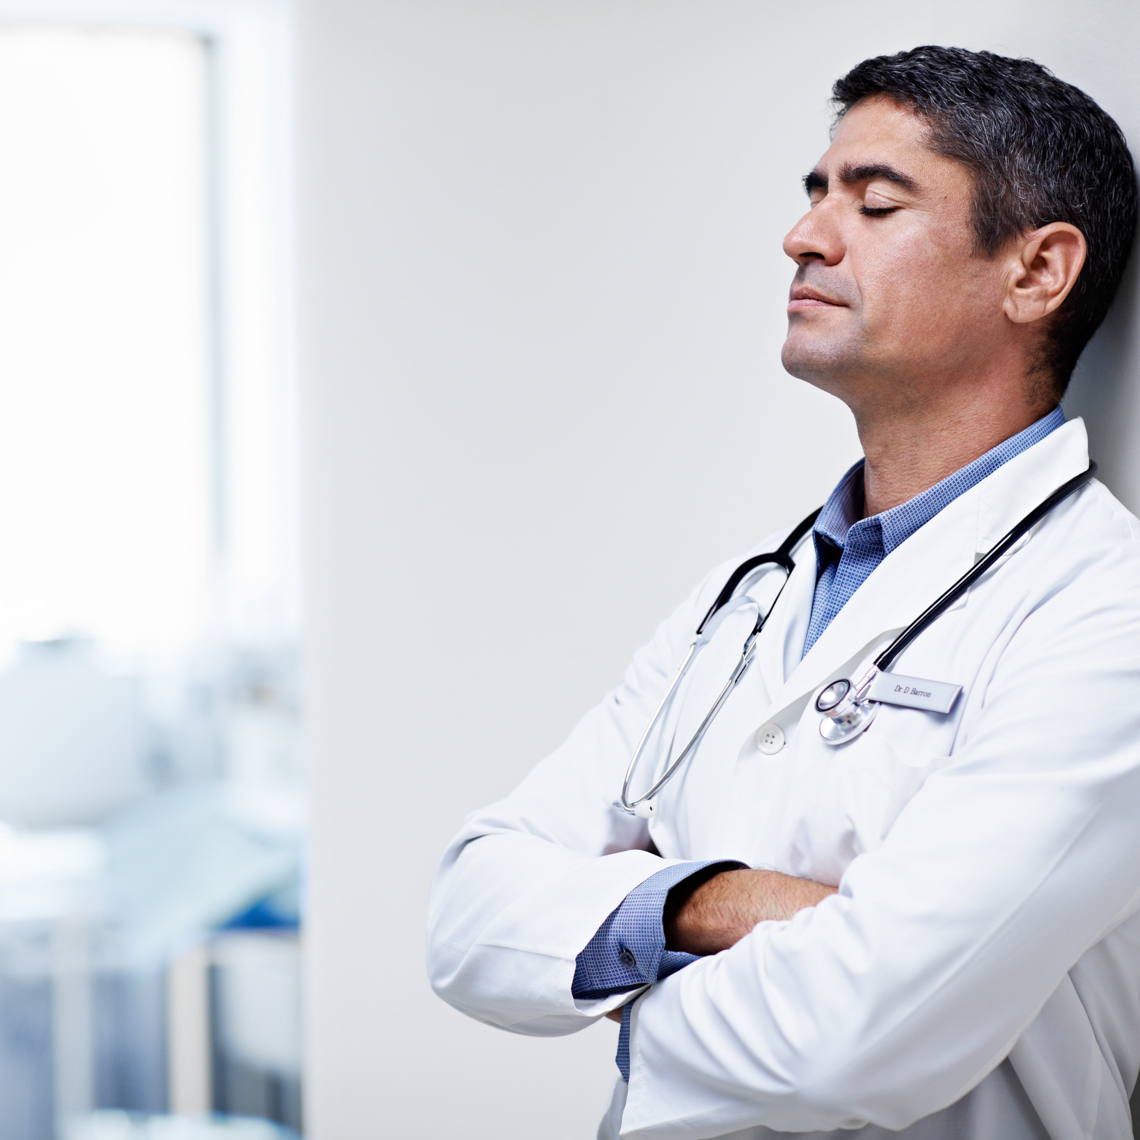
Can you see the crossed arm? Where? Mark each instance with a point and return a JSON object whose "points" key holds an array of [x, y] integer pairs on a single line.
{"points": [[719, 912], [707, 914], [959, 926]]}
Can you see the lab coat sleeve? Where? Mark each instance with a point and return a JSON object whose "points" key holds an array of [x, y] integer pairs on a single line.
{"points": [[898, 995], [528, 881]]}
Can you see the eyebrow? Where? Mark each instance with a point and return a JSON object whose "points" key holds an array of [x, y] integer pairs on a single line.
{"points": [[849, 175]]}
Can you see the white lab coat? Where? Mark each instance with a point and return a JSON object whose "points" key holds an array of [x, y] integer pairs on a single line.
{"points": [[977, 977]]}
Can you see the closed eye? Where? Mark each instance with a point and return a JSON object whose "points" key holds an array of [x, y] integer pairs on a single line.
{"points": [[877, 211]]}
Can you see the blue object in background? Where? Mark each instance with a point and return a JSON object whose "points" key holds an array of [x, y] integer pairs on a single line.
{"points": [[279, 910]]}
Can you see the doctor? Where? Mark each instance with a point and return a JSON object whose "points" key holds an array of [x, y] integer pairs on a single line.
{"points": [[931, 929]]}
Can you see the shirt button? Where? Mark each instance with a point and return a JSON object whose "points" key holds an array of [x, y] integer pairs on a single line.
{"points": [[770, 739], [626, 958]]}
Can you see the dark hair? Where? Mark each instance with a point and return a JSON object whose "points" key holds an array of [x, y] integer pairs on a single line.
{"points": [[1039, 151]]}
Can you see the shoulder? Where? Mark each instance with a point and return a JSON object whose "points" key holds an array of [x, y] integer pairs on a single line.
{"points": [[1106, 512], [1095, 533], [1078, 580]]}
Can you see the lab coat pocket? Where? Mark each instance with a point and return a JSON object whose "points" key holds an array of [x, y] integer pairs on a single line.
{"points": [[909, 775], [881, 775]]}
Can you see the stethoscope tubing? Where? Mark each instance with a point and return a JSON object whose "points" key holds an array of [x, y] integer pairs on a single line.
{"points": [[782, 557], [946, 600], [718, 611]]}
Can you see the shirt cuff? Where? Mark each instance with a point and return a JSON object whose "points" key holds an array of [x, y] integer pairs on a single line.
{"points": [[629, 949]]}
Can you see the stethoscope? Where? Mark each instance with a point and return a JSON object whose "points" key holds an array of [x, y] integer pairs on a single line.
{"points": [[846, 709]]}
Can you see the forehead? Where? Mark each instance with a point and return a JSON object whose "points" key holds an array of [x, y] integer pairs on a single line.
{"points": [[879, 131]]}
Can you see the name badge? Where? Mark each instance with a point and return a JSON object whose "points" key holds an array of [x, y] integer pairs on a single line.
{"points": [[913, 692]]}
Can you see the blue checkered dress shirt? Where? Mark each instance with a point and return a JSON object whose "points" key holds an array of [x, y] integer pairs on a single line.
{"points": [[628, 952], [849, 547]]}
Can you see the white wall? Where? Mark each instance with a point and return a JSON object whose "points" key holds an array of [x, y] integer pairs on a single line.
{"points": [[541, 305]]}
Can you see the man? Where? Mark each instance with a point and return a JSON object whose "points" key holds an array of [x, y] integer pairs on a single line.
{"points": [[930, 929]]}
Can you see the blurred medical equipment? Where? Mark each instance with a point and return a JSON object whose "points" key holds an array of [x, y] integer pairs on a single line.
{"points": [[128, 1126], [104, 920]]}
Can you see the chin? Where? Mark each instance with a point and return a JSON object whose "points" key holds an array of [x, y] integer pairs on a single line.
{"points": [[821, 364]]}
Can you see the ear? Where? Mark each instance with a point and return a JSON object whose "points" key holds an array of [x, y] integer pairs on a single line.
{"points": [[1043, 269]]}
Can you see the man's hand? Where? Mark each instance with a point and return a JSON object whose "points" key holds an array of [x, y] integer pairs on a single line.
{"points": [[716, 913]]}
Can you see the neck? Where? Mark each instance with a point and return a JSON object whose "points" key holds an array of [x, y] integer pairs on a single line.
{"points": [[909, 450]]}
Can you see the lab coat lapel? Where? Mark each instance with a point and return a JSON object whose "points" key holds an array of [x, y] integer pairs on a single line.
{"points": [[901, 587], [916, 572], [780, 646]]}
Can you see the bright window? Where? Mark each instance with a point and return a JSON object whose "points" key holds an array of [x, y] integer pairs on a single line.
{"points": [[105, 338]]}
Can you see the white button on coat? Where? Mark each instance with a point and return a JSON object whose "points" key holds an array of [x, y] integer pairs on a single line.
{"points": [[770, 739]]}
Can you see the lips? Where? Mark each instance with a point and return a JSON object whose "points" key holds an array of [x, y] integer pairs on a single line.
{"points": [[805, 297]]}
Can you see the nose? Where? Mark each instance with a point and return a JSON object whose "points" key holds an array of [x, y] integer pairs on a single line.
{"points": [[815, 237]]}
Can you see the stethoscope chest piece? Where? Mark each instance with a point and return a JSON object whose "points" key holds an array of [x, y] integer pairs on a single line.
{"points": [[846, 711]]}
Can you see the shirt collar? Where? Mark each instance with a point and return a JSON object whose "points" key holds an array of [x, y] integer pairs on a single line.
{"points": [[842, 510], [841, 517]]}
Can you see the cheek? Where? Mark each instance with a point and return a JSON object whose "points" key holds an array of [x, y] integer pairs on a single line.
{"points": [[924, 291]]}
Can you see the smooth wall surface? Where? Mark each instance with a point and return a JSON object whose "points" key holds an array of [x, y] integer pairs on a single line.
{"points": [[542, 298]]}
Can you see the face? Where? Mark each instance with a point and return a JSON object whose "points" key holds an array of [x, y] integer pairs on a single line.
{"points": [[890, 299]]}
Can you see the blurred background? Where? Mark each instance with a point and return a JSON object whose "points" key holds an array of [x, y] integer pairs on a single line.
{"points": [[152, 809], [466, 315]]}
